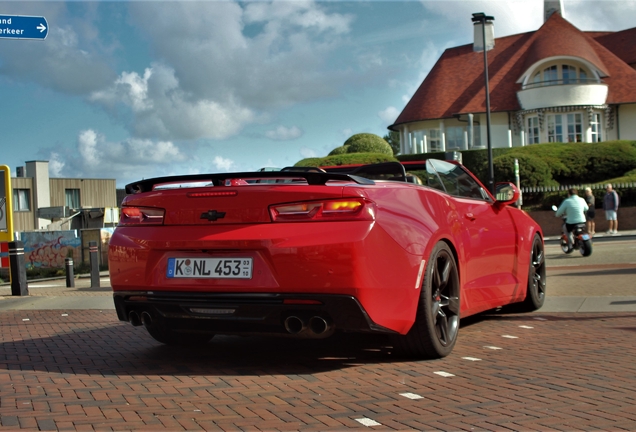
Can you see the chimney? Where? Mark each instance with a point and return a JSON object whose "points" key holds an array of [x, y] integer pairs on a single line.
{"points": [[550, 7]]}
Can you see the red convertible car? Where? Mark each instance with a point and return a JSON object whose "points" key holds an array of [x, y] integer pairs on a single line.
{"points": [[405, 249]]}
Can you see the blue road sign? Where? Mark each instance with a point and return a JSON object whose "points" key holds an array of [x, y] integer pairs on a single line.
{"points": [[23, 27]]}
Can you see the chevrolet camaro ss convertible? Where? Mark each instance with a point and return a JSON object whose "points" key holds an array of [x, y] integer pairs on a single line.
{"points": [[405, 249]]}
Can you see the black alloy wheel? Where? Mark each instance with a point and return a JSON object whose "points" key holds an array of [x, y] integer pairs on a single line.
{"points": [[535, 295], [436, 326]]}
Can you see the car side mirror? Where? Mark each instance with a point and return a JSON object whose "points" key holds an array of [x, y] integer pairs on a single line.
{"points": [[506, 193]]}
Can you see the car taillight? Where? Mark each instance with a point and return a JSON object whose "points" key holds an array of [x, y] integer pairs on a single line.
{"points": [[141, 216], [327, 210]]}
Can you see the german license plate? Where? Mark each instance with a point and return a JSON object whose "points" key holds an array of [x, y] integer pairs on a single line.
{"points": [[211, 268]]}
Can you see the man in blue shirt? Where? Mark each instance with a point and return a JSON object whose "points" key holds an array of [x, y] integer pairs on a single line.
{"points": [[573, 208]]}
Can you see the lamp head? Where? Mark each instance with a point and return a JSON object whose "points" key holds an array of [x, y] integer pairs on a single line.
{"points": [[482, 17]]}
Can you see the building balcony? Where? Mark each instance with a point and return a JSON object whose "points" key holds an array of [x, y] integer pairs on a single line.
{"points": [[562, 93]]}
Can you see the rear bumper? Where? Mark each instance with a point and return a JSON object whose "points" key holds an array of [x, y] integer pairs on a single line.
{"points": [[245, 313]]}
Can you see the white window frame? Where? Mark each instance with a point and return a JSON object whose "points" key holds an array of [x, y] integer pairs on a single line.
{"points": [[72, 197], [21, 200], [596, 124], [571, 127], [532, 130], [555, 127], [435, 140], [455, 138]]}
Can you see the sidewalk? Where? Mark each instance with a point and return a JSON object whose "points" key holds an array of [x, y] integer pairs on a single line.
{"points": [[54, 295], [602, 236]]}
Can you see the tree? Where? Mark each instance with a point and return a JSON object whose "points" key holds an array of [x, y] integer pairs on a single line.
{"points": [[393, 138]]}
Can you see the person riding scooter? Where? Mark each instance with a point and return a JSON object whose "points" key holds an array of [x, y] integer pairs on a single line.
{"points": [[573, 208]]}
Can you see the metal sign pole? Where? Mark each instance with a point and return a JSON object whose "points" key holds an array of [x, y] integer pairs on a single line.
{"points": [[19, 285]]}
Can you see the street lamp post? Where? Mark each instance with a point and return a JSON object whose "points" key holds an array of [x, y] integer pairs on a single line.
{"points": [[483, 19]]}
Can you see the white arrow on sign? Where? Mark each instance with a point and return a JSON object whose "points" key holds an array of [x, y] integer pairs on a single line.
{"points": [[41, 27]]}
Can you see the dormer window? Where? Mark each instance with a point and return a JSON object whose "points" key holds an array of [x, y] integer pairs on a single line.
{"points": [[558, 74], [550, 75]]}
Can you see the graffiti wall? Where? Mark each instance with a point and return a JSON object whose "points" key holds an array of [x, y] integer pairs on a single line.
{"points": [[50, 249]]}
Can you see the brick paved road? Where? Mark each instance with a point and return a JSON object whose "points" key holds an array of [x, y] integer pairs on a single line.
{"points": [[83, 370]]}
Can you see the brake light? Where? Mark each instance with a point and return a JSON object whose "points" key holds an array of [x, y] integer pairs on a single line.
{"points": [[141, 216], [328, 210], [211, 194]]}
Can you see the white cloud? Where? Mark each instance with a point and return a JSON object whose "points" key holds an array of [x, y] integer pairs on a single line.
{"points": [[511, 16], [600, 15], [223, 164], [389, 115], [346, 133], [162, 109], [87, 147], [306, 152], [282, 133], [128, 160], [56, 165], [304, 14], [262, 55]]}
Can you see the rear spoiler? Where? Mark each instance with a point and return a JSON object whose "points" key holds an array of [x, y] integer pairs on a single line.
{"points": [[312, 178]]}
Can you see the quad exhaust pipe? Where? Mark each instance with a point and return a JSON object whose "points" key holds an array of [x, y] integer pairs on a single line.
{"points": [[146, 319], [316, 326], [294, 325], [134, 318], [140, 319]]}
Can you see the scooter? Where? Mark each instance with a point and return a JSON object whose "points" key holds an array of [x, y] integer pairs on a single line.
{"points": [[581, 240]]}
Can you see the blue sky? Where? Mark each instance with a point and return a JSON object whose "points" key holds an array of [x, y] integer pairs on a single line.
{"points": [[139, 89]]}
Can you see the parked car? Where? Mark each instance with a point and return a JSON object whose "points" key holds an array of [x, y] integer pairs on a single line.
{"points": [[401, 249]]}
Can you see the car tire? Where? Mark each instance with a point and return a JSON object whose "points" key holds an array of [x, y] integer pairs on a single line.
{"points": [[434, 332], [535, 293]]}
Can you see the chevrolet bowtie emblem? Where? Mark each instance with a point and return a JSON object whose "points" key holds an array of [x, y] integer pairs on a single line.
{"points": [[212, 215]]}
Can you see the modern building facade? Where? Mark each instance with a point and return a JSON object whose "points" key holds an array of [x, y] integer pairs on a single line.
{"points": [[44, 203], [556, 84]]}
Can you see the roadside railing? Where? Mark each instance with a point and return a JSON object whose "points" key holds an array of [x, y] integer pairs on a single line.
{"points": [[543, 197]]}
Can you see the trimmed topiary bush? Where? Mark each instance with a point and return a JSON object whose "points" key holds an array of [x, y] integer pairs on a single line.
{"points": [[367, 143], [347, 159], [338, 150]]}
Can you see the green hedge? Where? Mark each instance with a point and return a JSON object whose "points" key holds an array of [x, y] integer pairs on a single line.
{"points": [[347, 159], [553, 163], [540, 165]]}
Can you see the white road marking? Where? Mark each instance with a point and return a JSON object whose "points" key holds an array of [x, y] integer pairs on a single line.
{"points": [[411, 395], [472, 358], [444, 374], [492, 347], [368, 422], [510, 337], [524, 326], [541, 319]]}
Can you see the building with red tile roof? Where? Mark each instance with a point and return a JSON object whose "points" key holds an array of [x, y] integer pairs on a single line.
{"points": [[556, 84]]}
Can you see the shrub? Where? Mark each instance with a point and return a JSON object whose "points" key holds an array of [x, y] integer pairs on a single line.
{"points": [[367, 143], [338, 150], [347, 159], [533, 171]]}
